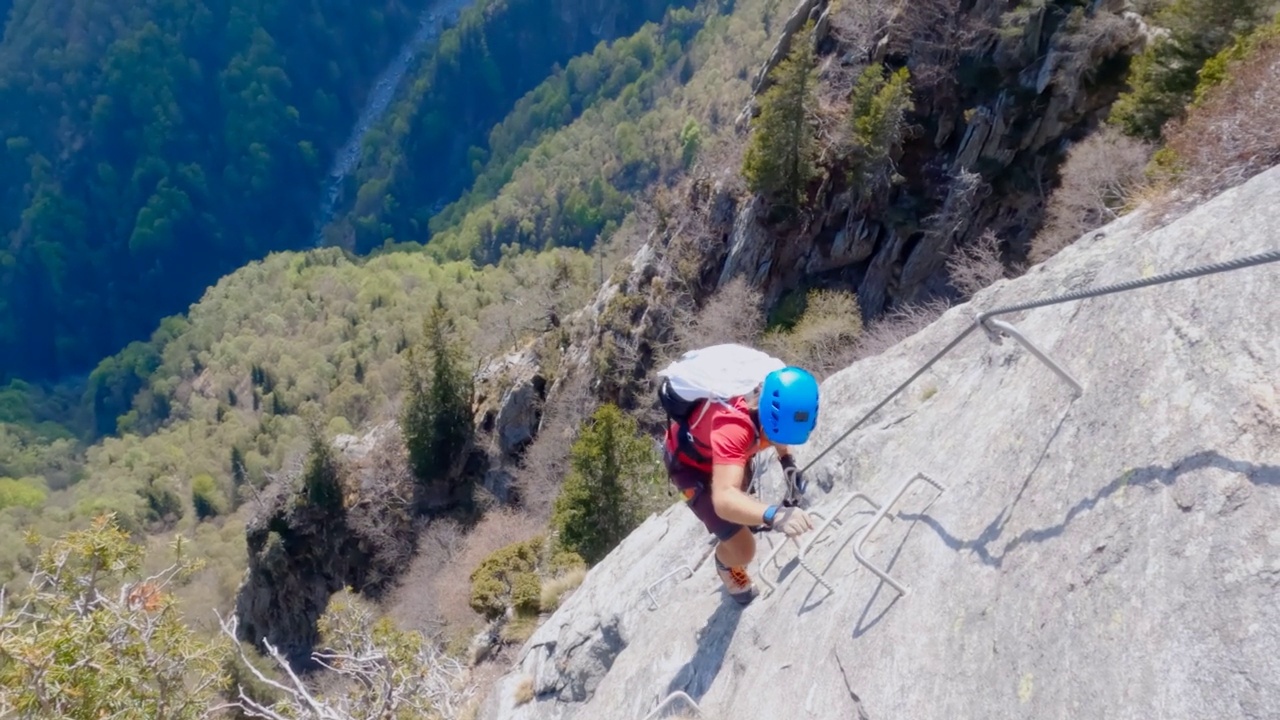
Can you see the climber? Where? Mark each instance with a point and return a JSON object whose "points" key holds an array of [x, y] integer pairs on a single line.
{"points": [[709, 461]]}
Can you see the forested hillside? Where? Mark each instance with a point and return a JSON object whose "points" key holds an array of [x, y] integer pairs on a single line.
{"points": [[214, 403], [437, 139], [565, 166], [152, 148], [159, 147]]}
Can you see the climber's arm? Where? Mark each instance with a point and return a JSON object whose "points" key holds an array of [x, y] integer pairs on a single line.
{"points": [[728, 498]]}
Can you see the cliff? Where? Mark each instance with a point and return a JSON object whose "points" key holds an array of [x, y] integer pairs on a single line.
{"points": [[1097, 555], [998, 94], [301, 552]]}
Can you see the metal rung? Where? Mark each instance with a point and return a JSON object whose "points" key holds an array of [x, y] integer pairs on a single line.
{"points": [[771, 586], [857, 546], [817, 535], [991, 326], [677, 695], [653, 602]]}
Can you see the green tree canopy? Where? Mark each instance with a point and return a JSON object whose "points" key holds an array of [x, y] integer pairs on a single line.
{"points": [[611, 485], [1163, 78], [90, 638], [437, 422], [781, 155]]}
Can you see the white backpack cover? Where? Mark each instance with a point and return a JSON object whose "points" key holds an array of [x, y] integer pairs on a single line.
{"points": [[719, 372]]}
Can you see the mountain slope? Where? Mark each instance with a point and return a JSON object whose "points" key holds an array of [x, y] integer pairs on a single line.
{"points": [[1090, 557], [424, 153], [149, 148]]}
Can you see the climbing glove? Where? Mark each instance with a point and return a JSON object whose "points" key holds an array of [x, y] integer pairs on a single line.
{"points": [[791, 520]]}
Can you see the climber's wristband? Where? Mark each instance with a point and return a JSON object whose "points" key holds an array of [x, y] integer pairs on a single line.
{"points": [[769, 514]]}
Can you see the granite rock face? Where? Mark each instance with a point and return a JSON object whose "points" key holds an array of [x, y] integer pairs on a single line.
{"points": [[1114, 555], [998, 94]]}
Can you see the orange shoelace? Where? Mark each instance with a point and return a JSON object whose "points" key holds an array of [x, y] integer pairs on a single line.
{"points": [[739, 576]]}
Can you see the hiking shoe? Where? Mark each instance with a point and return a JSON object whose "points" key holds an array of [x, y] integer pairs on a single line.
{"points": [[737, 583]]}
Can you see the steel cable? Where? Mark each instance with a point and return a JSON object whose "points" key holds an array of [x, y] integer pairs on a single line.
{"points": [[1237, 264]]}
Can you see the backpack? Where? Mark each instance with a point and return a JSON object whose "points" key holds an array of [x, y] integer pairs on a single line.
{"points": [[713, 374]]}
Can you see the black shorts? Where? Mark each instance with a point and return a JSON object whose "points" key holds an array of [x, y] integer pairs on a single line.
{"points": [[694, 486]]}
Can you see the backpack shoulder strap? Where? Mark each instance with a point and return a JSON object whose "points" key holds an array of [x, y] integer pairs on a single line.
{"points": [[690, 446]]}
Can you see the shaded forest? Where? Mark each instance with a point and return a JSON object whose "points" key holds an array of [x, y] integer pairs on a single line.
{"points": [[150, 150], [441, 136]]}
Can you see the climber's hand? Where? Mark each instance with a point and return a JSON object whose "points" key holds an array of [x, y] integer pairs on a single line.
{"points": [[791, 520], [795, 478]]}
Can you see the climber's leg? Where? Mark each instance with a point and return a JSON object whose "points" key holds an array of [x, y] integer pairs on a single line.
{"points": [[732, 556]]}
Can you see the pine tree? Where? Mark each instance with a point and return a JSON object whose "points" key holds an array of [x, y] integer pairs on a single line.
{"points": [[1163, 78], [780, 158], [207, 497], [613, 470], [877, 113], [322, 478], [437, 422], [238, 476]]}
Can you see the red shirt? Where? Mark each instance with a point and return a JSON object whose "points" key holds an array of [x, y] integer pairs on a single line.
{"points": [[724, 432]]}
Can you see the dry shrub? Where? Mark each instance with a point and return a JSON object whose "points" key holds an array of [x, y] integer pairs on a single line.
{"points": [[545, 462], [446, 584], [554, 589], [414, 605], [735, 314], [976, 266], [1086, 42], [380, 514], [470, 711], [720, 151], [518, 629], [619, 248], [825, 337], [499, 528], [895, 326], [936, 34], [1233, 132], [1101, 174], [856, 25], [524, 690]]}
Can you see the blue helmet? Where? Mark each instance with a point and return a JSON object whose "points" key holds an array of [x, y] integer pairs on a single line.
{"points": [[789, 406]]}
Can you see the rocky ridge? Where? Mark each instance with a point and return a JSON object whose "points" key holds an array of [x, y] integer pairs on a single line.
{"points": [[300, 553], [998, 94], [1091, 556]]}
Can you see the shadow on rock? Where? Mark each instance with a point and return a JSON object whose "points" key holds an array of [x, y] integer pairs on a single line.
{"points": [[862, 626], [1150, 476], [696, 676], [859, 628]]}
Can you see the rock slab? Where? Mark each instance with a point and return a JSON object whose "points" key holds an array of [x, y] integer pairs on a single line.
{"points": [[1113, 555]]}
